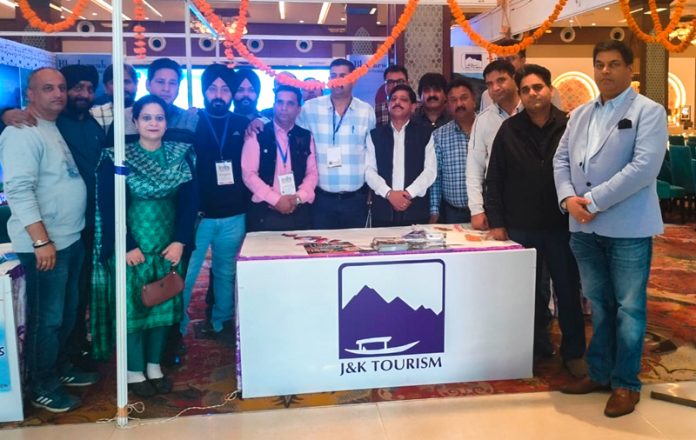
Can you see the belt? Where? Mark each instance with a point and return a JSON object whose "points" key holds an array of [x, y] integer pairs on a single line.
{"points": [[343, 194], [455, 208]]}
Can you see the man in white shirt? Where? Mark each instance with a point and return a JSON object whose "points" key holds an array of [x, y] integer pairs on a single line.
{"points": [[401, 164], [499, 76]]}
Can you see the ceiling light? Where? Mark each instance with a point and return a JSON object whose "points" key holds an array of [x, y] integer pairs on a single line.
{"points": [[636, 10], [94, 13], [656, 10], [69, 11], [62, 17], [343, 18], [571, 20], [301, 21], [281, 10], [54, 7], [107, 7], [379, 22], [548, 31], [372, 11], [324, 12], [594, 24], [152, 8], [147, 18], [622, 21], [607, 8]]}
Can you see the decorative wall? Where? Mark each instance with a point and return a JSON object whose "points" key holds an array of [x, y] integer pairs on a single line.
{"points": [[423, 42], [23, 56]]}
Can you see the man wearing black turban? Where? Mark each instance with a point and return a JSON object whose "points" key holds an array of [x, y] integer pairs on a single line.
{"points": [[223, 197], [81, 81], [246, 89]]}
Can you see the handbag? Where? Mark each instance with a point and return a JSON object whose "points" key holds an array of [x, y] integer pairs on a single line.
{"points": [[159, 291]]}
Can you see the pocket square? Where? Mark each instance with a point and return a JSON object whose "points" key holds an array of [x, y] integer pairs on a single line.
{"points": [[625, 123]]}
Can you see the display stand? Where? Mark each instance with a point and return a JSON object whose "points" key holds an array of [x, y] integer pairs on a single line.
{"points": [[321, 311], [11, 332]]}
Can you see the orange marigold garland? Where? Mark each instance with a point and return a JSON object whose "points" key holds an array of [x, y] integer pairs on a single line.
{"points": [[35, 21], [661, 35], [461, 20], [140, 48], [233, 39]]}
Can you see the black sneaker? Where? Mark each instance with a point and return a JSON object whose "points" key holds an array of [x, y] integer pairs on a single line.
{"points": [[78, 378], [57, 401]]}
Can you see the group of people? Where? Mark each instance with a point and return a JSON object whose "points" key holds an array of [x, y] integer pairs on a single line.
{"points": [[580, 190]]}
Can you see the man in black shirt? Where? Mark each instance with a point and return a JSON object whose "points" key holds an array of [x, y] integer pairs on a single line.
{"points": [[521, 204], [224, 199]]}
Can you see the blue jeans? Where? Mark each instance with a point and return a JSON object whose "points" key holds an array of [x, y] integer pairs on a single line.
{"points": [[224, 236], [614, 274], [52, 298]]}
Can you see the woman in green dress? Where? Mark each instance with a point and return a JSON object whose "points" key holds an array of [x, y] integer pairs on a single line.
{"points": [[161, 209]]}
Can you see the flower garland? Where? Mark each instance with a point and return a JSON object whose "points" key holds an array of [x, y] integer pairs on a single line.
{"points": [[233, 39], [661, 35], [461, 20], [140, 46], [35, 21]]}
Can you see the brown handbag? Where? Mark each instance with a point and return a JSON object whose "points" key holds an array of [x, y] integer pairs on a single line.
{"points": [[163, 289]]}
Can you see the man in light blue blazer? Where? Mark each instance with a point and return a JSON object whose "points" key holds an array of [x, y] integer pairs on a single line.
{"points": [[605, 170]]}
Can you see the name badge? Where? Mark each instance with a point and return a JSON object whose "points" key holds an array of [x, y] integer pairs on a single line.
{"points": [[223, 170], [287, 184], [333, 157]]}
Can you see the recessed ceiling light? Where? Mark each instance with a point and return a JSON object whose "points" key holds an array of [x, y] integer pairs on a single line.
{"points": [[622, 21], [571, 20], [379, 22], [548, 31], [656, 10], [62, 16], [607, 8], [301, 21], [594, 24], [94, 13], [147, 18], [343, 18]]}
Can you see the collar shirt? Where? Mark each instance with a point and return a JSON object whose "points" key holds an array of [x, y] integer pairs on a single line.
{"points": [[423, 118], [601, 113], [483, 132], [451, 152], [419, 187], [346, 137], [104, 114]]}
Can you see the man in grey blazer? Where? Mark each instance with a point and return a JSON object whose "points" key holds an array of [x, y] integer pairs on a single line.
{"points": [[605, 170]]}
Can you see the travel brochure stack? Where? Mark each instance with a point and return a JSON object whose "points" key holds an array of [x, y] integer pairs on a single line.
{"points": [[415, 240]]}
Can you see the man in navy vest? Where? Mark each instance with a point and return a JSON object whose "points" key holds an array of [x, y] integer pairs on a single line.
{"points": [[280, 169], [401, 164]]}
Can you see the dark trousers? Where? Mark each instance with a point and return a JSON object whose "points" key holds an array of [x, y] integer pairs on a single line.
{"points": [[52, 298], [261, 217], [77, 342], [553, 248], [340, 210], [452, 214]]}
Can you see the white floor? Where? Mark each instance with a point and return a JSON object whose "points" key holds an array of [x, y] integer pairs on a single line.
{"points": [[510, 416]]}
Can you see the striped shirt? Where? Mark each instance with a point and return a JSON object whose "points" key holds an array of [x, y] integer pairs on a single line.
{"points": [[451, 152], [347, 134]]}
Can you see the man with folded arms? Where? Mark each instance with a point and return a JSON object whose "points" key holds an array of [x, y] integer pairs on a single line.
{"points": [[401, 164], [280, 169], [605, 170]]}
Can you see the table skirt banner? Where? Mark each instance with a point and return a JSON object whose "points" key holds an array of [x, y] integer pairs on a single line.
{"points": [[12, 285], [371, 320]]}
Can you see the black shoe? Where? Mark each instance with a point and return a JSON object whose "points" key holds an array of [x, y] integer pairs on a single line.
{"points": [[172, 350], [163, 385], [142, 389]]}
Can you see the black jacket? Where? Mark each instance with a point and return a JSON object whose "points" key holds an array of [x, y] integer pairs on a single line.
{"points": [[520, 191]]}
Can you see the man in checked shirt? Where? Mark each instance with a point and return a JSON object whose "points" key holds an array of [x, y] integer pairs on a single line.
{"points": [[448, 199]]}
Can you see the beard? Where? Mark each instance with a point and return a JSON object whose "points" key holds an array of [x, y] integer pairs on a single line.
{"points": [[79, 105], [244, 106], [128, 99], [216, 107]]}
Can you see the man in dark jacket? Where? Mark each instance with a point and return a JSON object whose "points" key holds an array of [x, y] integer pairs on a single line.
{"points": [[401, 164], [521, 204]]}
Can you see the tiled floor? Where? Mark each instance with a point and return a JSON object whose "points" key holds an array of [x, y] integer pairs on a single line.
{"points": [[510, 416]]}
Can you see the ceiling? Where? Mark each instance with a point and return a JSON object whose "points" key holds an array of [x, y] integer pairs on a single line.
{"points": [[308, 13]]}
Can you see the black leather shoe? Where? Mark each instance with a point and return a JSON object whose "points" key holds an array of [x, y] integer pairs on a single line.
{"points": [[142, 389], [163, 385]]}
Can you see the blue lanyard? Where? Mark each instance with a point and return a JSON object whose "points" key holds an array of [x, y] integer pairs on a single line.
{"points": [[340, 121], [283, 155], [221, 145]]}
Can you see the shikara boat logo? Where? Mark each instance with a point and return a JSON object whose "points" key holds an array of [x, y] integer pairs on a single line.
{"points": [[391, 308]]}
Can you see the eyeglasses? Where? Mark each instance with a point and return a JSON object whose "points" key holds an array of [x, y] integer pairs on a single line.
{"points": [[395, 82]]}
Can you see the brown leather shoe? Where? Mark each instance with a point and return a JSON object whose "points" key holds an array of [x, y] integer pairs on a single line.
{"points": [[576, 367], [622, 401], [584, 386]]}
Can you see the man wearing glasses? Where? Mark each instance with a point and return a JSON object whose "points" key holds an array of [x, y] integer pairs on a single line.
{"points": [[394, 75]]}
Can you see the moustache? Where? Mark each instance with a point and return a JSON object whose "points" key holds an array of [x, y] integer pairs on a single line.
{"points": [[460, 109], [395, 106], [217, 102], [433, 98]]}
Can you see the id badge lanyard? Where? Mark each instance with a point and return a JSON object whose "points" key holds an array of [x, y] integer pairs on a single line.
{"points": [[220, 142]]}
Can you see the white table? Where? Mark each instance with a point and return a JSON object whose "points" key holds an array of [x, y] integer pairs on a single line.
{"points": [[312, 323]]}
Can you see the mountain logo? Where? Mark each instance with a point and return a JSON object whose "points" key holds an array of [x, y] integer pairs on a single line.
{"points": [[391, 308]]}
